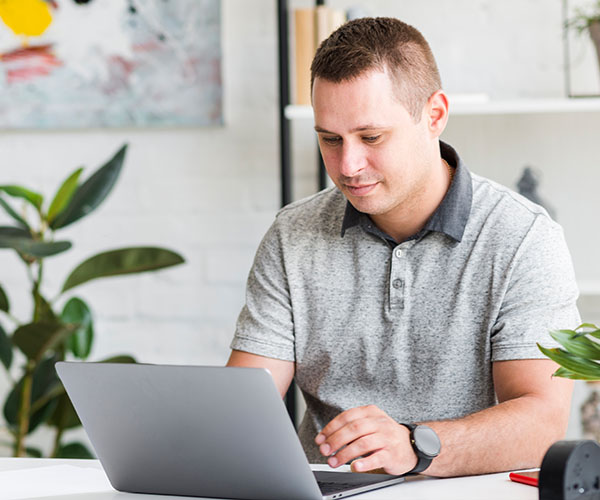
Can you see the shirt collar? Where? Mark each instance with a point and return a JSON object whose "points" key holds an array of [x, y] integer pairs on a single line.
{"points": [[451, 215]]}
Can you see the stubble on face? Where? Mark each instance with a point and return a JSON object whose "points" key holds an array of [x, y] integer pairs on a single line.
{"points": [[391, 178], [367, 138]]}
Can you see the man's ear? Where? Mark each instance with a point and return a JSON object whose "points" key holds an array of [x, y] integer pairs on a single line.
{"points": [[437, 113]]}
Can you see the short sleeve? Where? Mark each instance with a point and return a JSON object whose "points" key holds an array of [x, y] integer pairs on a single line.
{"points": [[265, 324], [540, 296]]}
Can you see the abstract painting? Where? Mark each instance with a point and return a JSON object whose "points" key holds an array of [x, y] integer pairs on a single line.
{"points": [[109, 63]]}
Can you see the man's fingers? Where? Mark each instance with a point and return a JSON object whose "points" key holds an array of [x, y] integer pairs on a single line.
{"points": [[379, 470], [373, 462], [349, 433], [378, 462], [363, 446], [342, 420]]}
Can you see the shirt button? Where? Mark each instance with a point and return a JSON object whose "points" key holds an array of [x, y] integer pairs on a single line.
{"points": [[397, 284], [398, 253]]}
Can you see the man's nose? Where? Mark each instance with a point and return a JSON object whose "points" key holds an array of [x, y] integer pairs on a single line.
{"points": [[353, 160]]}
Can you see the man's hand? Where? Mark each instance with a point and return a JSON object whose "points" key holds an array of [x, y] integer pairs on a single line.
{"points": [[369, 432]]}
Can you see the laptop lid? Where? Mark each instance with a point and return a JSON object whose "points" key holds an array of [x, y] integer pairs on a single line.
{"points": [[190, 430]]}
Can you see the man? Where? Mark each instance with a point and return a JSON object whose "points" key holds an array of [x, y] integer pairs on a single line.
{"points": [[413, 291]]}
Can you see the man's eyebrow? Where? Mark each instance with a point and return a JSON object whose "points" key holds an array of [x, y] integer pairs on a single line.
{"points": [[356, 129]]}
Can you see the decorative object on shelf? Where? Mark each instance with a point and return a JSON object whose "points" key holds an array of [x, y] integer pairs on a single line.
{"points": [[57, 329], [582, 19], [590, 413], [80, 64], [527, 186]]}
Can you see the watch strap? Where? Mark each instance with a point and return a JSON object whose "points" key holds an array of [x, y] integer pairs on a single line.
{"points": [[422, 461]]}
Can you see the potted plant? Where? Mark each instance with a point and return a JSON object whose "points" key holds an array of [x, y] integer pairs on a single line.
{"points": [[61, 327], [578, 358], [588, 20]]}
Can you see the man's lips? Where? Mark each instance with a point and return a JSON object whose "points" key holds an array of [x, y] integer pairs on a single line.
{"points": [[360, 190]]}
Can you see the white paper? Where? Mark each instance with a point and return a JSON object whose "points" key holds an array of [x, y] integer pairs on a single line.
{"points": [[40, 482]]}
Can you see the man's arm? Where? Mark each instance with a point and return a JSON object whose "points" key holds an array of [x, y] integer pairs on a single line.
{"points": [[532, 413], [281, 371]]}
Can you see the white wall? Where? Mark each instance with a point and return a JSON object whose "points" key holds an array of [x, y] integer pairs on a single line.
{"points": [[211, 193]]}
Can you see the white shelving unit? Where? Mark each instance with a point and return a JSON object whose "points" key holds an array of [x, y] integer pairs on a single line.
{"points": [[589, 288], [481, 106]]}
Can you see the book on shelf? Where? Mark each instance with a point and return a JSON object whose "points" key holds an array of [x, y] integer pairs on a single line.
{"points": [[311, 27]]}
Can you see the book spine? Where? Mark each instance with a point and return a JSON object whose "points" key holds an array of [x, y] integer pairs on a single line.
{"points": [[304, 28]]}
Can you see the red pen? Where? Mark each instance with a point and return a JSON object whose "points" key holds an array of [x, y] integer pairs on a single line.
{"points": [[529, 477]]}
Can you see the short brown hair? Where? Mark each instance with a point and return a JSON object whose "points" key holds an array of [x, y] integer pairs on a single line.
{"points": [[379, 43]]}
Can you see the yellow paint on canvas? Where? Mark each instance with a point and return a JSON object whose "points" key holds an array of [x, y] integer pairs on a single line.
{"points": [[26, 17]]}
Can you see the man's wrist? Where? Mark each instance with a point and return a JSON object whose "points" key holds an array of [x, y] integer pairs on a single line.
{"points": [[426, 445]]}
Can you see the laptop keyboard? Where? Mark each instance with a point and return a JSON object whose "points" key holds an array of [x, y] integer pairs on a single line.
{"points": [[328, 488], [335, 482]]}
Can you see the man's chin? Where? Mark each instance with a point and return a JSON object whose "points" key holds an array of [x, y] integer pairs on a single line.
{"points": [[363, 205]]}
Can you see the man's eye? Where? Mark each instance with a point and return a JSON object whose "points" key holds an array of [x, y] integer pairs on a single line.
{"points": [[331, 140], [371, 138]]}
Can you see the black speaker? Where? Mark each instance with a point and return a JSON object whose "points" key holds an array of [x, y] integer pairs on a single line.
{"points": [[571, 471]]}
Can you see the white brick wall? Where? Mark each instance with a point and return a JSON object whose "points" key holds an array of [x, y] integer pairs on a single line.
{"points": [[210, 193]]}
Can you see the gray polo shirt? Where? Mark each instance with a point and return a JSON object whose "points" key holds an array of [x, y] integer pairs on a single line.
{"points": [[412, 327]]}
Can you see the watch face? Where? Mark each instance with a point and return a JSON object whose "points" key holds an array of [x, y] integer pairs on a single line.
{"points": [[427, 441]]}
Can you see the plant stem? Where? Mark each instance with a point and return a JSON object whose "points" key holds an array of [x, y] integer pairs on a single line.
{"points": [[37, 281], [24, 410], [57, 438], [30, 273], [40, 271]]}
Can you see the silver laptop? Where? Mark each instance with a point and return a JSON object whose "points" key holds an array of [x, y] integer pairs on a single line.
{"points": [[199, 431]]}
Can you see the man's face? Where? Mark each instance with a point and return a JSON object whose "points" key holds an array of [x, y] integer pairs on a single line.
{"points": [[373, 150]]}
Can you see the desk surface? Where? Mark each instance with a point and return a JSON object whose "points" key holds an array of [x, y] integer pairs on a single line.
{"points": [[54, 479]]}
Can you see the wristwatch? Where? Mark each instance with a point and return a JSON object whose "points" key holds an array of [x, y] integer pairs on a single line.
{"points": [[425, 443]]}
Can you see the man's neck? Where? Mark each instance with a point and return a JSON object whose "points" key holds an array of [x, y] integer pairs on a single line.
{"points": [[409, 218]]}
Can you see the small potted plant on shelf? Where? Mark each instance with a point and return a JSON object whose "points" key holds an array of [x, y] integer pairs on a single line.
{"points": [[588, 20]]}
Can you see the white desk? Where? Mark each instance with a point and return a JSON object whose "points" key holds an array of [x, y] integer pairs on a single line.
{"points": [[24, 478]]}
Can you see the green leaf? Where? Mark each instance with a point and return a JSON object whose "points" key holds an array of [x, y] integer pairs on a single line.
{"points": [[564, 373], [14, 232], [32, 248], [74, 450], [32, 197], [122, 358], [92, 192], [122, 261], [42, 311], [10, 211], [589, 326], [64, 416], [4, 304], [35, 339], [41, 249], [33, 452], [44, 381], [80, 343], [578, 346], [6, 354], [591, 333], [576, 365], [63, 195]]}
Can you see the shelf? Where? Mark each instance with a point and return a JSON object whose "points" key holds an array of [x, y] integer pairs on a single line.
{"points": [[589, 288], [479, 105]]}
